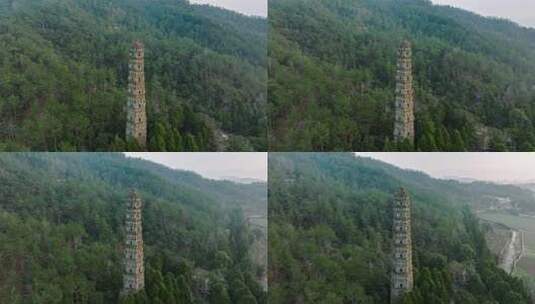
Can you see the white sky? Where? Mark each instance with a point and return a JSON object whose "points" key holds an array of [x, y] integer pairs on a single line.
{"points": [[247, 7], [214, 165], [496, 167], [520, 11]]}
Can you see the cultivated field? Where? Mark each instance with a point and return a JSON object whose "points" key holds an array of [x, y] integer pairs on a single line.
{"points": [[526, 265], [497, 236]]}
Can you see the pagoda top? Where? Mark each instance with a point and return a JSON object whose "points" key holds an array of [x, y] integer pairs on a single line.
{"points": [[137, 44], [402, 194], [135, 199], [406, 44]]}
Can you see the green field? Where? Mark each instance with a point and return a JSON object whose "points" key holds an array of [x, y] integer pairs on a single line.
{"points": [[526, 265], [497, 237]]}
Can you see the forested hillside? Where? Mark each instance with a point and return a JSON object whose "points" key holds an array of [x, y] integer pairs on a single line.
{"points": [[330, 235], [64, 73], [332, 71], [62, 230]]}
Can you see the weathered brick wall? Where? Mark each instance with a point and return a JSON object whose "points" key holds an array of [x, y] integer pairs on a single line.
{"points": [[136, 116], [404, 105], [402, 276], [134, 271]]}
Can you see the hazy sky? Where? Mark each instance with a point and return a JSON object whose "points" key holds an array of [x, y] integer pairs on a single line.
{"points": [[213, 165], [497, 167], [247, 7], [520, 11]]}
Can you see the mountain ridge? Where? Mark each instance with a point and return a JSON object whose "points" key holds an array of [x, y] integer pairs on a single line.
{"points": [[330, 234], [61, 225]]}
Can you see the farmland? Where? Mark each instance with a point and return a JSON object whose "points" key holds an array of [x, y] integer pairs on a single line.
{"points": [[522, 223], [526, 265]]}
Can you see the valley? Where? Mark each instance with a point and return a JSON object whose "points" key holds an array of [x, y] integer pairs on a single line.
{"points": [[506, 243], [511, 237], [331, 235]]}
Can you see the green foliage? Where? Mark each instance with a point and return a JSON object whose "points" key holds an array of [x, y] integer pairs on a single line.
{"points": [[330, 235], [332, 77], [65, 69], [61, 231]]}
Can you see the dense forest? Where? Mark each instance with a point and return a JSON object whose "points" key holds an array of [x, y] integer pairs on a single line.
{"points": [[330, 240], [332, 68], [62, 230], [64, 74]]}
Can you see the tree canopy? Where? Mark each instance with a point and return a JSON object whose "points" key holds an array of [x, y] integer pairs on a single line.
{"points": [[62, 232], [63, 85], [330, 235], [332, 77]]}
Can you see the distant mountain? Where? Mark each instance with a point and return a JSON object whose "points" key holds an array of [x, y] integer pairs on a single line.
{"points": [[65, 71], [62, 230], [496, 181], [513, 182], [460, 179], [473, 193], [330, 233], [242, 180], [332, 76], [529, 186]]}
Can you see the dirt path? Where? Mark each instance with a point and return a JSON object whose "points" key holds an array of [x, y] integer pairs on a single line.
{"points": [[512, 252], [509, 254]]}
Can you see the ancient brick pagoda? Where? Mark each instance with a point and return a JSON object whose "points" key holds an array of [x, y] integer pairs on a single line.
{"points": [[402, 276], [134, 271], [404, 104], [136, 115]]}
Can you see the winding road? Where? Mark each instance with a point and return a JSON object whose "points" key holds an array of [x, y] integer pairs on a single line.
{"points": [[509, 255], [512, 253]]}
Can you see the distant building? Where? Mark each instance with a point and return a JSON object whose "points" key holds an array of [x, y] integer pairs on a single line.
{"points": [[134, 270], [404, 105], [402, 276], [136, 115]]}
